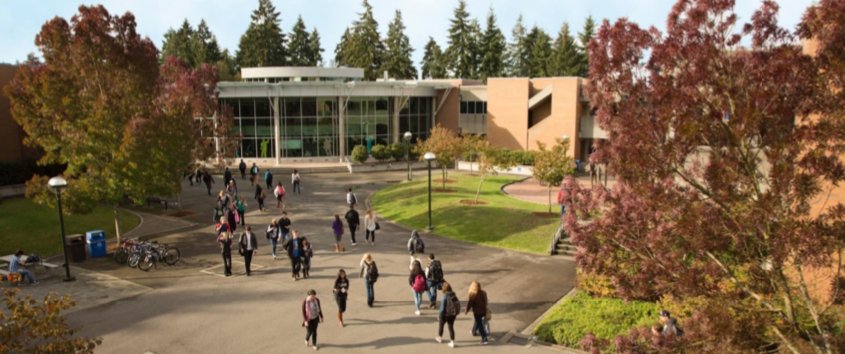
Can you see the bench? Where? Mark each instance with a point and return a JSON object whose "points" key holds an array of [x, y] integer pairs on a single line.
{"points": [[156, 200], [4, 271]]}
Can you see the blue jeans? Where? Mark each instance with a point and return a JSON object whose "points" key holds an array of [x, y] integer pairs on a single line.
{"points": [[371, 295], [431, 290], [479, 326], [562, 209], [417, 298], [273, 242], [285, 236], [26, 273]]}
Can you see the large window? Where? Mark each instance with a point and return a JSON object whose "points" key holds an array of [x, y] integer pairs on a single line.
{"points": [[416, 118], [308, 127], [474, 117]]}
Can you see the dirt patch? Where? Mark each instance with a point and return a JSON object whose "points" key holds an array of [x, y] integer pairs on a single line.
{"points": [[181, 214], [392, 182], [546, 215], [441, 190], [472, 202]]}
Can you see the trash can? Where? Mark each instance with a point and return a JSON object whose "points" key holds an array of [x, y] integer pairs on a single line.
{"points": [[75, 248], [96, 243]]}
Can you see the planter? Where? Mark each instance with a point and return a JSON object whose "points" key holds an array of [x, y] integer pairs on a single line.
{"points": [[390, 166]]}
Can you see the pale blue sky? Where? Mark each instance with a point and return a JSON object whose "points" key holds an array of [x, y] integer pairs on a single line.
{"points": [[21, 20]]}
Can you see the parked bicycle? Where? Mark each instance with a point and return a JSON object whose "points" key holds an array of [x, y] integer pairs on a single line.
{"points": [[154, 252]]}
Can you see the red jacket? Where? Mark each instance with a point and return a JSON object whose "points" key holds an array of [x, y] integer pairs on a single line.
{"points": [[563, 196]]}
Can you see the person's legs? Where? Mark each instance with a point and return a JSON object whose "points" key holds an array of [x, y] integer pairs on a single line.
{"points": [[273, 242], [479, 323], [293, 264], [241, 215], [441, 321], [27, 274], [247, 260], [451, 321], [371, 296], [352, 231], [431, 290], [562, 209], [312, 328], [417, 299]]}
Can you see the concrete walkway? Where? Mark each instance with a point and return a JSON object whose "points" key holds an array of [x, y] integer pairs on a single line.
{"points": [[530, 190], [191, 308]]}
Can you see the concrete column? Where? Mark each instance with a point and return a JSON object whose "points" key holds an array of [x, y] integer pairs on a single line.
{"points": [[341, 126], [394, 119], [276, 125]]}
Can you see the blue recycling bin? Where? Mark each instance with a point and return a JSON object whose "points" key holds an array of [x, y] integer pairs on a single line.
{"points": [[96, 243]]}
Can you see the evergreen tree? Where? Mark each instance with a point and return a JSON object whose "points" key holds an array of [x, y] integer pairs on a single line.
{"points": [[432, 63], [541, 53], [584, 36], [567, 59], [204, 47], [475, 48], [178, 43], [298, 46], [460, 54], [492, 49], [397, 59], [365, 49], [341, 51], [263, 43], [227, 67], [315, 49], [517, 51]]}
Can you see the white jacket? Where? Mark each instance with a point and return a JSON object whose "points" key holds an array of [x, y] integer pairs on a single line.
{"points": [[293, 177]]}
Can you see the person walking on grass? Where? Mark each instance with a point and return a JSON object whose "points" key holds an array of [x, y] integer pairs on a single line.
{"points": [[415, 244], [351, 199], [17, 264], [241, 206], [259, 194], [450, 307], [225, 240], [371, 225], [242, 167], [208, 180], [417, 282], [274, 234], [434, 279], [280, 195], [268, 179], [312, 315], [477, 302], [305, 260], [341, 290], [294, 180], [369, 271], [353, 221], [293, 246], [219, 211], [337, 227], [249, 246], [284, 227]]}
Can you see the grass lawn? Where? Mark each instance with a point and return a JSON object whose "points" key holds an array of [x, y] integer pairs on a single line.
{"points": [[503, 222], [35, 228]]}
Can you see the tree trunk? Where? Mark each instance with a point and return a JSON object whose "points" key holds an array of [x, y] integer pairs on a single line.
{"points": [[117, 222], [478, 192], [179, 200], [550, 197], [470, 168], [444, 177]]}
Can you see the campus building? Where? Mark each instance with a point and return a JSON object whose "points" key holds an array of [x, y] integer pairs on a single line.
{"points": [[314, 114]]}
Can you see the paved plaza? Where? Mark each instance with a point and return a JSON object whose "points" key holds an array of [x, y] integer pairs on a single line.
{"points": [[191, 308]]}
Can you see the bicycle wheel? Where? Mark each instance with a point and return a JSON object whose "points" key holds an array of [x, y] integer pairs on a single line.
{"points": [[134, 258], [121, 255], [171, 256], [146, 262]]}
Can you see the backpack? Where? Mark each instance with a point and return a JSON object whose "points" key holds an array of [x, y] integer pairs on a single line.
{"points": [[261, 196], [295, 245], [354, 199], [297, 179], [255, 170], [33, 258], [419, 246], [419, 283], [435, 272], [281, 190], [372, 273], [453, 306], [563, 195]]}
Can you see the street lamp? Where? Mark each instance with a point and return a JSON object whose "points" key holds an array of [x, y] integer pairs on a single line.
{"points": [[428, 157], [58, 185], [408, 136]]}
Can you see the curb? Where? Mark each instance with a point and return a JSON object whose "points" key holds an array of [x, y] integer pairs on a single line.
{"points": [[502, 189], [530, 329]]}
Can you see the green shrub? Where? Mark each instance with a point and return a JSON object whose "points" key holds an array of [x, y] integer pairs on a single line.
{"points": [[20, 171], [398, 151], [595, 284], [359, 154], [523, 157], [380, 152], [576, 316]]}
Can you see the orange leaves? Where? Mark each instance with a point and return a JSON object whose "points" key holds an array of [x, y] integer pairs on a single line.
{"points": [[30, 326]]}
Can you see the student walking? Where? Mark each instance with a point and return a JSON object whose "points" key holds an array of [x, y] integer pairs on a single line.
{"points": [[371, 225], [242, 167], [351, 199], [417, 282], [312, 315], [222, 226], [268, 179], [232, 217], [208, 180], [450, 307], [337, 227], [294, 179], [259, 194], [248, 246], [434, 279], [253, 174], [280, 195], [305, 260], [274, 234], [232, 190], [219, 211], [16, 265], [294, 248], [353, 221], [341, 290], [477, 302], [227, 176], [284, 227], [241, 206], [369, 271], [225, 240], [415, 243]]}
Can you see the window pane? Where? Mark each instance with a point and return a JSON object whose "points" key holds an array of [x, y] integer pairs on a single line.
{"points": [[262, 108], [353, 126], [352, 142], [247, 107], [309, 106], [325, 106], [293, 127], [264, 127], [353, 108], [266, 147], [463, 107], [250, 148], [479, 107], [325, 126], [415, 124], [381, 140], [413, 105], [405, 109], [485, 107], [309, 126], [368, 125], [404, 125], [381, 106], [327, 146], [310, 146], [292, 107], [293, 147], [470, 107], [248, 127], [382, 125], [425, 106]]}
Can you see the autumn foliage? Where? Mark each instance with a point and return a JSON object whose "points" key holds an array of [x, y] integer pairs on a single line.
{"points": [[32, 326]]}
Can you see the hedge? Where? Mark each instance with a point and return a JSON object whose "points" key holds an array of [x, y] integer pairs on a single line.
{"points": [[20, 171], [570, 321]]}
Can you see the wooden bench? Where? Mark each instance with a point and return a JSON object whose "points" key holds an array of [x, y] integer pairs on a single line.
{"points": [[156, 200], [4, 271]]}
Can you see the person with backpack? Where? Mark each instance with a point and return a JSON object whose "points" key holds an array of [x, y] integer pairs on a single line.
{"points": [[240, 204], [284, 227], [670, 324], [232, 217], [417, 282], [208, 180], [227, 176], [280, 195], [268, 179], [312, 315], [369, 271], [450, 307], [434, 279], [232, 190], [337, 227], [341, 291], [259, 194], [295, 250], [351, 199], [248, 247], [274, 234], [477, 302], [294, 179], [17, 264], [415, 243], [222, 226], [242, 167], [253, 174], [371, 225], [219, 211], [563, 197], [305, 260], [224, 238], [353, 221]]}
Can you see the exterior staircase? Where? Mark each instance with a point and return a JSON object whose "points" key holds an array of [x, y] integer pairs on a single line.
{"points": [[560, 245]]}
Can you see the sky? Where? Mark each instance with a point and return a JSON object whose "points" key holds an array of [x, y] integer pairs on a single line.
{"points": [[21, 20]]}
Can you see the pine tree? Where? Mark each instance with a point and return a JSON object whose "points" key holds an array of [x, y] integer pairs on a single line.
{"points": [[365, 49], [178, 43], [432, 63], [475, 48], [341, 51], [567, 59], [263, 43], [204, 46], [492, 49], [584, 36], [541, 53], [315, 51], [298, 48], [517, 53], [397, 59], [462, 47], [227, 68]]}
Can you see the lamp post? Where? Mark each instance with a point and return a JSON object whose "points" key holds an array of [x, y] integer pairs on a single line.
{"points": [[408, 136], [428, 157], [58, 185]]}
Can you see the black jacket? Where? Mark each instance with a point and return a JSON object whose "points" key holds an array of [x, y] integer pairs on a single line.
{"points": [[242, 167], [352, 217], [252, 239], [288, 246]]}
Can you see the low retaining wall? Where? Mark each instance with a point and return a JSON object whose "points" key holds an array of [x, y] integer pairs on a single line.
{"points": [[389, 166], [15, 190], [516, 170]]}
